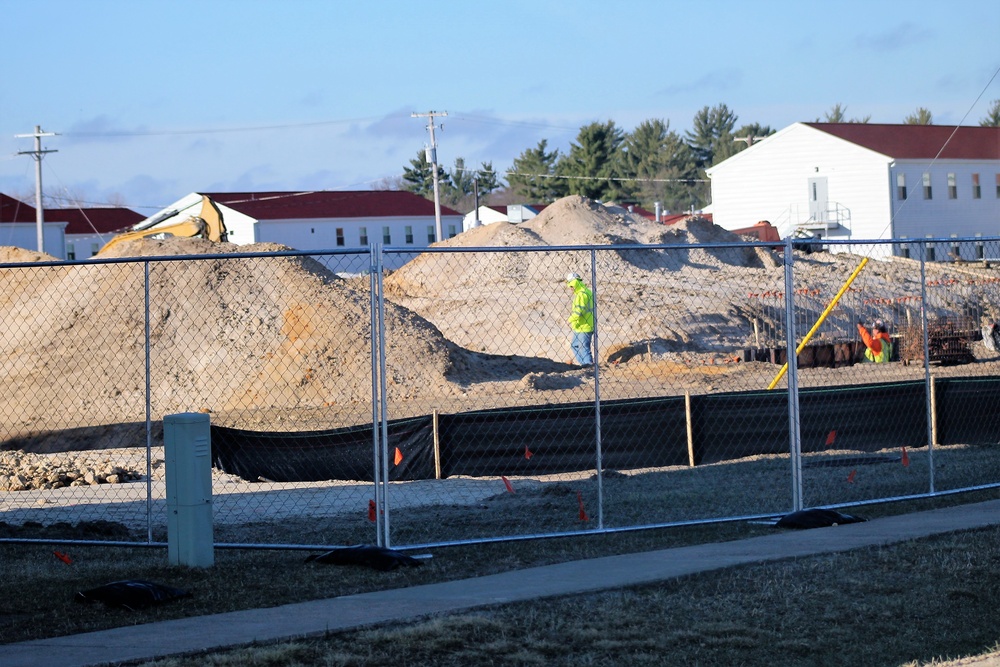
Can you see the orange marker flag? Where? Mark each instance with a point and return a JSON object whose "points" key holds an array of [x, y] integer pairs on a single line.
{"points": [[399, 457], [527, 452], [906, 458], [371, 511], [850, 478], [583, 512], [63, 557], [831, 437], [506, 482]]}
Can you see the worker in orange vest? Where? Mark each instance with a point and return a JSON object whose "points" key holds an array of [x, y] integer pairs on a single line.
{"points": [[878, 346]]}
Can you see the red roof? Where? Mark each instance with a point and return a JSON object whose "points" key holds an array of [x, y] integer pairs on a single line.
{"points": [[920, 142], [91, 220], [328, 204], [13, 210]]}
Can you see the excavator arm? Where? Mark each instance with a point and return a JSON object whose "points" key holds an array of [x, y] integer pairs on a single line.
{"points": [[208, 225]]}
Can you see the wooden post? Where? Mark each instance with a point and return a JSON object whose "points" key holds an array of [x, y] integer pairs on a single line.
{"points": [[437, 448], [690, 427]]}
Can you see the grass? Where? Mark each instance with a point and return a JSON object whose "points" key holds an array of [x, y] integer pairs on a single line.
{"points": [[915, 601]]}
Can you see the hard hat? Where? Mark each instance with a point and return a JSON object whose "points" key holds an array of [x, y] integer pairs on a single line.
{"points": [[570, 277], [880, 325]]}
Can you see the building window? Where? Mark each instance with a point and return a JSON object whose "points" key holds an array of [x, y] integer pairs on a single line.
{"points": [[905, 252], [927, 187], [929, 253], [952, 187], [364, 236], [900, 186], [408, 233], [977, 192], [340, 236], [70, 251], [94, 248], [430, 234], [451, 231], [386, 236], [980, 250], [998, 186]]}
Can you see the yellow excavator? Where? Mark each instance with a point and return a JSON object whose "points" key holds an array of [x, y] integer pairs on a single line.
{"points": [[207, 225]]}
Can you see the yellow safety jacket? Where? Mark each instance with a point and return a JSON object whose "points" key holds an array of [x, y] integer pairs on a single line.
{"points": [[581, 320]]}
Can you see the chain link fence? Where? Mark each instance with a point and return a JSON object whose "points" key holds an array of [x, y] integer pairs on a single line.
{"points": [[442, 402]]}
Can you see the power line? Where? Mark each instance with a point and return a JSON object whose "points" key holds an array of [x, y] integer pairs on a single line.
{"points": [[252, 128]]}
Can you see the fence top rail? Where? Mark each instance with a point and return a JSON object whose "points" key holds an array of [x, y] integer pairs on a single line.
{"points": [[178, 258]]}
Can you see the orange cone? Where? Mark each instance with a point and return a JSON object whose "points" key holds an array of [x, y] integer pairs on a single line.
{"points": [[506, 482], [399, 457]]}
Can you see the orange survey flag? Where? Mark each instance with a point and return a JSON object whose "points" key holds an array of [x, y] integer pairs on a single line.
{"points": [[527, 452], [583, 512], [906, 457], [371, 511], [831, 437], [399, 457], [506, 482]]}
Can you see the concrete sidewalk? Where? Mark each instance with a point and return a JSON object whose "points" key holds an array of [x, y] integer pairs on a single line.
{"points": [[207, 633]]}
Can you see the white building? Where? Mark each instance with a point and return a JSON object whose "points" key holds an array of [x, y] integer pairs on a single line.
{"points": [[325, 220], [865, 181], [19, 228], [501, 213], [67, 233]]}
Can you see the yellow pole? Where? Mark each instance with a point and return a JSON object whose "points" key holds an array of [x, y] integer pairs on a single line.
{"points": [[819, 322]]}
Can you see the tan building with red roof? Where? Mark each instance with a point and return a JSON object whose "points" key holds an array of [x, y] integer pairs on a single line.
{"points": [[859, 181]]}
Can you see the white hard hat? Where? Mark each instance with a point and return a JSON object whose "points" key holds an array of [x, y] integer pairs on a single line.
{"points": [[570, 277]]}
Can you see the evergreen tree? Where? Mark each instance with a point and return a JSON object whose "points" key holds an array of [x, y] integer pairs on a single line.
{"points": [[531, 176], [595, 162], [662, 164], [992, 118], [488, 179], [921, 116], [838, 114], [712, 131], [417, 177]]}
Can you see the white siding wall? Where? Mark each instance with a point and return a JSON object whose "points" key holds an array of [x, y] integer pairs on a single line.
{"points": [[321, 234], [25, 235], [941, 216], [769, 181]]}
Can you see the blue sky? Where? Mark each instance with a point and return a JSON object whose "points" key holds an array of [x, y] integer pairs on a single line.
{"points": [[154, 99]]}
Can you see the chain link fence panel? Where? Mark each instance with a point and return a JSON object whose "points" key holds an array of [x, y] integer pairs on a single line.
{"points": [[442, 402]]}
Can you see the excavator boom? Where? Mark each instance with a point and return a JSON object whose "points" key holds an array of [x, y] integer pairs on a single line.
{"points": [[207, 225]]}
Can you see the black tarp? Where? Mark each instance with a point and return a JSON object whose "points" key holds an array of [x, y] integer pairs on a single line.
{"points": [[343, 454], [635, 433], [554, 439], [968, 410]]}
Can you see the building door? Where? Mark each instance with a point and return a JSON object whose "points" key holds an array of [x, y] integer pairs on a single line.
{"points": [[818, 203]]}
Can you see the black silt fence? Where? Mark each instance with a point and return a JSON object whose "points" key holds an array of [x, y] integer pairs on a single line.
{"points": [[636, 433]]}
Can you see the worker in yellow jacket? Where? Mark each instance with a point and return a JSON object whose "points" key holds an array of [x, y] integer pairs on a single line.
{"points": [[581, 319]]}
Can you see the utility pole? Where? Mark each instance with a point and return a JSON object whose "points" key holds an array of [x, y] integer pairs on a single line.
{"points": [[37, 155], [432, 158]]}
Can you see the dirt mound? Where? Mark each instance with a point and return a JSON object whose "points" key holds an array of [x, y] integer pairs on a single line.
{"points": [[254, 337]]}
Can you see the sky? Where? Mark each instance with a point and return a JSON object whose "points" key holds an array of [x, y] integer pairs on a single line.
{"points": [[155, 99]]}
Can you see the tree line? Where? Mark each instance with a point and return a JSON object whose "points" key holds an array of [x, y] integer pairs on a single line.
{"points": [[650, 164]]}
